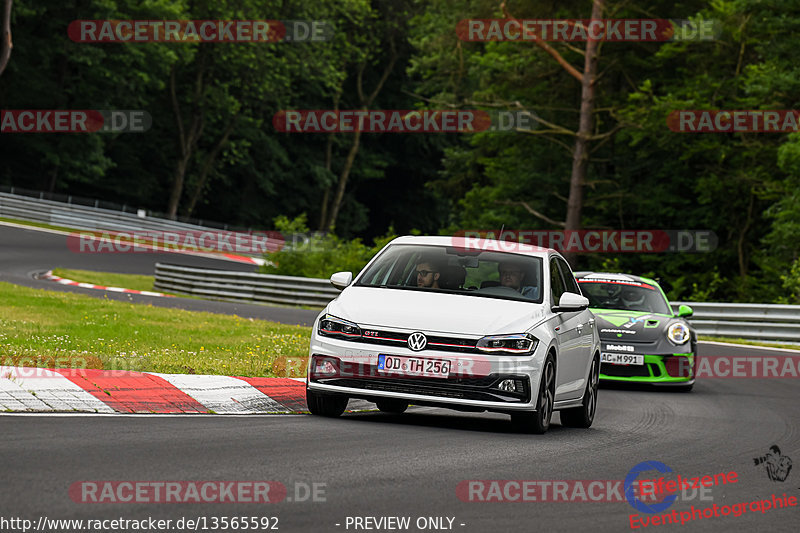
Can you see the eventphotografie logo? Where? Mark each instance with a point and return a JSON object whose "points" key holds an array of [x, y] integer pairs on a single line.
{"points": [[776, 465], [633, 496]]}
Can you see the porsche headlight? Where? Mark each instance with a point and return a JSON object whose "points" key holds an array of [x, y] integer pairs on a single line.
{"points": [[522, 343], [331, 326], [678, 333]]}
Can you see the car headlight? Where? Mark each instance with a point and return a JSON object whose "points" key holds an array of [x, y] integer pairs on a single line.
{"points": [[331, 326], [522, 343], [678, 333]]}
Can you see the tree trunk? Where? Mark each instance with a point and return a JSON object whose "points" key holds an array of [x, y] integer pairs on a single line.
{"points": [[6, 44], [580, 155], [348, 165], [366, 102], [177, 187], [323, 215], [208, 164], [186, 141]]}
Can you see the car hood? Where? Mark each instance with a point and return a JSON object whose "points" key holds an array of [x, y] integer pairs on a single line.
{"points": [[632, 326], [434, 312]]}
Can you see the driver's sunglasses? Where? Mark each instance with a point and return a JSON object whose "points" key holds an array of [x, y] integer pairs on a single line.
{"points": [[424, 273]]}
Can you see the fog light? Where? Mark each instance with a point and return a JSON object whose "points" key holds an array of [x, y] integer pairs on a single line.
{"points": [[507, 385], [325, 367]]}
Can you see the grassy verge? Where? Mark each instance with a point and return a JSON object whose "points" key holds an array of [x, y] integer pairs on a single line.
{"points": [[64, 330], [108, 279], [36, 224], [767, 344]]}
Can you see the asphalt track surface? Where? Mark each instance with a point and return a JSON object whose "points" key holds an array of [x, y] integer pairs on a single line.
{"points": [[26, 253], [410, 465]]}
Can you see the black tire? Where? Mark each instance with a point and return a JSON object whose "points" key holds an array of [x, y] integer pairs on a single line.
{"points": [[325, 404], [583, 416], [389, 405], [538, 421]]}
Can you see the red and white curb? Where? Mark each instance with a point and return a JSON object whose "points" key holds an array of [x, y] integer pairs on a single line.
{"points": [[24, 389], [64, 281]]}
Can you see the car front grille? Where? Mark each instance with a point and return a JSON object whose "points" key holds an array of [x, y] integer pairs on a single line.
{"points": [[435, 342], [627, 371]]}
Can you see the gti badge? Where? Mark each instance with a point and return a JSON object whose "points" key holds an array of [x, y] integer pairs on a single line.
{"points": [[417, 341]]}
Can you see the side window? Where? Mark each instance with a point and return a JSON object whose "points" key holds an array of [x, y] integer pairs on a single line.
{"points": [[569, 280], [556, 285]]}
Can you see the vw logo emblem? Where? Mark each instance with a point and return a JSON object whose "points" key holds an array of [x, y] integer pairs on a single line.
{"points": [[417, 341]]}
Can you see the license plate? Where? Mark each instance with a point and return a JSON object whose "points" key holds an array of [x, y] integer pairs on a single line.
{"points": [[621, 359], [413, 366]]}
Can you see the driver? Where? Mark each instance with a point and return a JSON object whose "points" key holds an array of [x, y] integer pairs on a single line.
{"points": [[428, 272], [633, 298], [512, 276]]}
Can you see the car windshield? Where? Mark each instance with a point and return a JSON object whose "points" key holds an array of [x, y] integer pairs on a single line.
{"points": [[455, 270], [627, 295]]}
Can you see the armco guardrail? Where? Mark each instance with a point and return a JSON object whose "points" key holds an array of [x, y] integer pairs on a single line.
{"points": [[244, 286], [87, 217], [745, 321]]}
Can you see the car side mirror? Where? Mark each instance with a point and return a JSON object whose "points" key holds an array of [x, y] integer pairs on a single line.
{"points": [[340, 280], [684, 311], [570, 301]]}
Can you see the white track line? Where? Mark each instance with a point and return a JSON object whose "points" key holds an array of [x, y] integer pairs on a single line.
{"points": [[223, 394]]}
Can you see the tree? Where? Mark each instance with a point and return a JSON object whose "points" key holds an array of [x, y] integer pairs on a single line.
{"points": [[379, 30], [5, 36]]}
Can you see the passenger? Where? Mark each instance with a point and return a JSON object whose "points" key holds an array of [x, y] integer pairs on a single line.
{"points": [[512, 276], [428, 273]]}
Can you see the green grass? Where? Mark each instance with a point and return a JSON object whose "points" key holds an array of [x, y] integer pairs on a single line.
{"points": [[37, 224], [108, 279], [768, 344], [64, 330]]}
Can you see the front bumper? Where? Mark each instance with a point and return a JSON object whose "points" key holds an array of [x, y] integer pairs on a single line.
{"points": [[473, 384], [678, 368]]}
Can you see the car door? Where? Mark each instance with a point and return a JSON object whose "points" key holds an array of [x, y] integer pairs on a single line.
{"points": [[588, 330], [571, 329]]}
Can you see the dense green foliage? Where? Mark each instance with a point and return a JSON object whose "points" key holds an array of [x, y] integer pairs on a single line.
{"points": [[239, 169], [316, 255]]}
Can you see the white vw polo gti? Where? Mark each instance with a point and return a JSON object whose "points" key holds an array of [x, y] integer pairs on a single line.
{"points": [[462, 323]]}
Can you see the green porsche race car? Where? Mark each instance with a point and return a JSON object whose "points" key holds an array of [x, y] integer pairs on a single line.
{"points": [[642, 340]]}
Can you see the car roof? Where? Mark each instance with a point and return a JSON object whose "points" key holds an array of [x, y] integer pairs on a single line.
{"points": [[476, 243], [614, 276]]}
